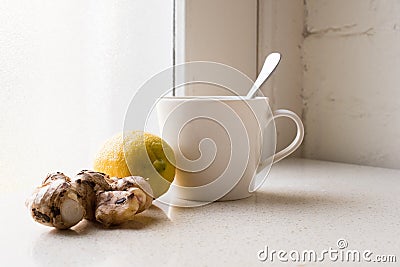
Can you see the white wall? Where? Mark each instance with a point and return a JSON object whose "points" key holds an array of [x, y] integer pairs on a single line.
{"points": [[339, 70], [68, 70], [351, 91], [223, 31], [280, 29]]}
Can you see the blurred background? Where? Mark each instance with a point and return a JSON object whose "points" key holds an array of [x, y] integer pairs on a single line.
{"points": [[68, 70]]}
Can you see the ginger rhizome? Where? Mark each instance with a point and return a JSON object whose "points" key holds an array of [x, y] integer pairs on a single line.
{"points": [[62, 203], [126, 199]]}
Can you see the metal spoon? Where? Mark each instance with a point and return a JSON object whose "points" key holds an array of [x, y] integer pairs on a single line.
{"points": [[269, 66]]}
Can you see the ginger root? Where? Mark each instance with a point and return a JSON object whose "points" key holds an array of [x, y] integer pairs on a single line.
{"points": [[128, 199], [56, 202], [145, 197], [62, 203], [87, 184]]}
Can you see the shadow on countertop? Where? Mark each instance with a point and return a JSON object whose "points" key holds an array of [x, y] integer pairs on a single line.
{"points": [[89, 242]]}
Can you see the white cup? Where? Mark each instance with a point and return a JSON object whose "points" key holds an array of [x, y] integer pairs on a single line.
{"points": [[221, 144]]}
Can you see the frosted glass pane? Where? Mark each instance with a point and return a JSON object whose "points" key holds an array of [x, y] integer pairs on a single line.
{"points": [[68, 70]]}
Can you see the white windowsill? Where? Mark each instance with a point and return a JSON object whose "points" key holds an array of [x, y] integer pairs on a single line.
{"points": [[304, 204]]}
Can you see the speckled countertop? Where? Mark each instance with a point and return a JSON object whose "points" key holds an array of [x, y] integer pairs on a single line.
{"points": [[304, 204]]}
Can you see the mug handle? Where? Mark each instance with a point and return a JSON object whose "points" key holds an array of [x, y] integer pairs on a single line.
{"points": [[299, 136], [284, 152]]}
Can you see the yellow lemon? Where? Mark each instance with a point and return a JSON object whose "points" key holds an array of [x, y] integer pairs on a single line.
{"points": [[138, 153]]}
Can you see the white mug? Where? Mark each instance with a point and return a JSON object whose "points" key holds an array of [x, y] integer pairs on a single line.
{"points": [[221, 144]]}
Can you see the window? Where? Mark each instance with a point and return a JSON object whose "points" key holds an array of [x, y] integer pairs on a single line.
{"points": [[67, 73]]}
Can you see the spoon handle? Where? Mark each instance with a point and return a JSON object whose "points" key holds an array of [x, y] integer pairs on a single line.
{"points": [[269, 66]]}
